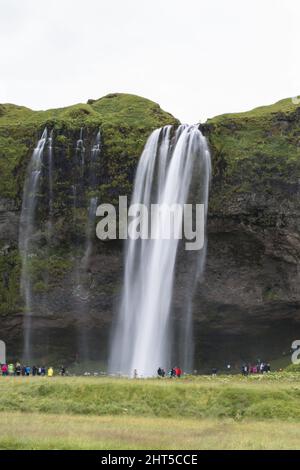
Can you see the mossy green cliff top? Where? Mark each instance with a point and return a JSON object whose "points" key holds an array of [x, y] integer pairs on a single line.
{"points": [[255, 152], [115, 109], [125, 121]]}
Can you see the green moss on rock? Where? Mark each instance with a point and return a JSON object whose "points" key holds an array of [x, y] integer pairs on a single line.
{"points": [[255, 152], [125, 120], [10, 301]]}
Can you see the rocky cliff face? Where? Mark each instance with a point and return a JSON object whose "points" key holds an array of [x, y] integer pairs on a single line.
{"points": [[248, 304], [250, 297]]}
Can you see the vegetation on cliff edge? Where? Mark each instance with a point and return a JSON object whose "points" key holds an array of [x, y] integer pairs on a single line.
{"points": [[255, 152]]}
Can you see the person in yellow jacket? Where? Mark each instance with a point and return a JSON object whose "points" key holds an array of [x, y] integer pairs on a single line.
{"points": [[50, 372]]}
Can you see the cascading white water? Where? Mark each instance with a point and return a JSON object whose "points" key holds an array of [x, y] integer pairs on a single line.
{"points": [[26, 234], [95, 153], [94, 157], [80, 151], [77, 190], [79, 164], [82, 280], [50, 183], [143, 334]]}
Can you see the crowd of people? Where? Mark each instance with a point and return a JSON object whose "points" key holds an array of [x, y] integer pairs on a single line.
{"points": [[26, 370], [246, 369], [18, 370], [259, 368], [174, 372]]}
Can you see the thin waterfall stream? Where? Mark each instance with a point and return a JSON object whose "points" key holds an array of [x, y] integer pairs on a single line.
{"points": [[26, 234]]}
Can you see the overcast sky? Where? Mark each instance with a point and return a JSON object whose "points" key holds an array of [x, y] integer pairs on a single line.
{"points": [[196, 58]]}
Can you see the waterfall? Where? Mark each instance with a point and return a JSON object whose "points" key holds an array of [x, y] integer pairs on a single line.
{"points": [[94, 157], [173, 168], [26, 233], [79, 164], [80, 151], [95, 153], [82, 277], [77, 190], [50, 183]]}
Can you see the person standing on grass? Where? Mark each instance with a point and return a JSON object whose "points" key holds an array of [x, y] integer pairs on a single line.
{"points": [[4, 370], [161, 372], [50, 372], [11, 369], [18, 369]]}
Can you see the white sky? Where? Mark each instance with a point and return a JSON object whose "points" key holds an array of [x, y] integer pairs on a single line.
{"points": [[196, 58]]}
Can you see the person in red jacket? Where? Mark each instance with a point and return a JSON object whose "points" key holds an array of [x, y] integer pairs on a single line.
{"points": [[178, 372], [4, 369]]}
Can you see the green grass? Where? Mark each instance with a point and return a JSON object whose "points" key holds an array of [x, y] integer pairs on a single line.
{"points": [[261, 397], [226, 412], [41, 431], [285, 106], [114, 108]]}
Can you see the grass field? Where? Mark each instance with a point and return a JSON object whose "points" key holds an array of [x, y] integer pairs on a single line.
{"points": [[226, 412]]}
